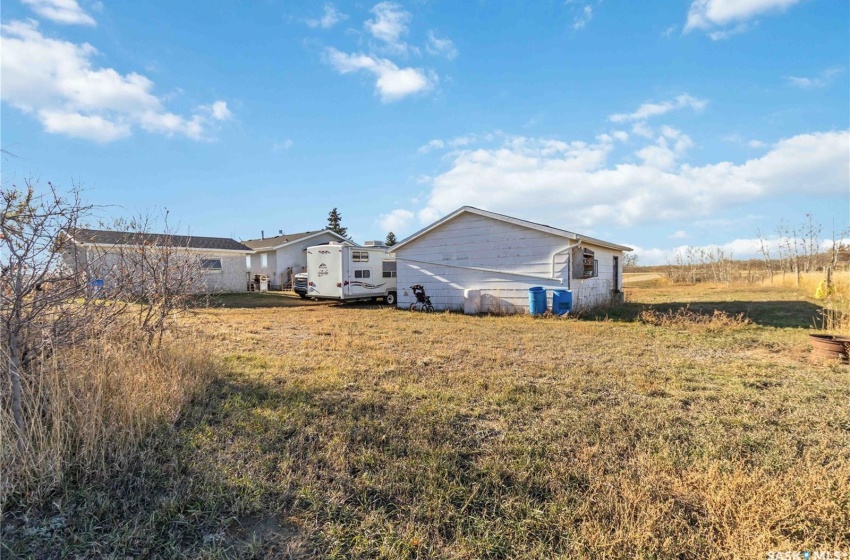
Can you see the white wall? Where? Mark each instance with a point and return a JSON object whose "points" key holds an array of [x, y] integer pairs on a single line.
{"points": [[230, 279], [290, 256], [522, 257]]}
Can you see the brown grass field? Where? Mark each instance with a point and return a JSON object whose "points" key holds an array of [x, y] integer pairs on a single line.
{"points": [[359, 431]]}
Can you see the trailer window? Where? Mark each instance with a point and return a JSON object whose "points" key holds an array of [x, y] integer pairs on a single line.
{"points": [[362, 274], [359, 256], [264, 260], [389, 269]]}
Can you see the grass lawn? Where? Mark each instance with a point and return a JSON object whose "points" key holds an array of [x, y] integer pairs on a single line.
{"points": [[366, 432]]}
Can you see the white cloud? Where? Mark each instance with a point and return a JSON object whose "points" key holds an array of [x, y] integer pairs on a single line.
{"points": [[756, 144], [218, 110], [282, 146], [621, 135], [389, 25], [648, 110], [90, 127], [57, 82], [330, 17], [393, 83], [435, 144], [821, 80], [67, 12], [709, 15], [642, 129], [584, 17], [459, 141], [399, 220], [441, 46], [680, 234], [737, 249], [574, 184]]}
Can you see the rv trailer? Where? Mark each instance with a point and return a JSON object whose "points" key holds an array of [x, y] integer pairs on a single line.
{"points": [[341, 272]]}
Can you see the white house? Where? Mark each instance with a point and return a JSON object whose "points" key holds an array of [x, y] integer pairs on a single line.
{"points": [[281, 256], [221, 259], [479, 261]]}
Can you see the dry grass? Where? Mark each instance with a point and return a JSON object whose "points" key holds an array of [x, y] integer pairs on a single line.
{"points": [[367, 432], [89, 409], [684, 317]]}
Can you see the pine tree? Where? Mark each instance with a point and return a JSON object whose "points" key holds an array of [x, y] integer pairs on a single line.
{"points": [[391, 240], [335, 223]]}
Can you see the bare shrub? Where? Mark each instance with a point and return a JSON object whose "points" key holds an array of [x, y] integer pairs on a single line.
{"points": [[684, 317], [85, 374]]}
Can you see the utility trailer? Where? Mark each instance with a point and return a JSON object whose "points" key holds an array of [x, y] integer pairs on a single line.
{"points": [[345, 273]]}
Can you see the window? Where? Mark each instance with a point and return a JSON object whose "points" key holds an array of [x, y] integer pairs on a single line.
{"points": [[389, 269], [362, 273], [359, 256], [264, 260], [247, 262], [211, 265]]}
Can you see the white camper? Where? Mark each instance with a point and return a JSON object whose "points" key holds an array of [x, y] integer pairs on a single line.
{"points": [[337, 271]]}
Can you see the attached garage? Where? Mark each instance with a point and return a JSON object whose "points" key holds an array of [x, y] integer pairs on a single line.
{"points": [[482, 262]]}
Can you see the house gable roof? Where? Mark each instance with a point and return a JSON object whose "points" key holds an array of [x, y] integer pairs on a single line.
{"points": [[85, 237], [279, 241], [515, 221]]}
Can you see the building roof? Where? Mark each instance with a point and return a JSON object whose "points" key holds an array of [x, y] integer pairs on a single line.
{"points": [[287, 238], [516, 221], [106, 237]]}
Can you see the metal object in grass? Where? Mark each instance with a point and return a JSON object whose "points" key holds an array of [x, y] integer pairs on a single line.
{"points": [[423, 302], [829, 346]]}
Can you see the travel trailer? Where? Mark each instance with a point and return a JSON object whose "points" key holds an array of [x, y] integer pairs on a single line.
{"points": [[337, 271]]}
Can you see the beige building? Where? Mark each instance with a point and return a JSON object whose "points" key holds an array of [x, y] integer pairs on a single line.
{"points": [[221, 259]]}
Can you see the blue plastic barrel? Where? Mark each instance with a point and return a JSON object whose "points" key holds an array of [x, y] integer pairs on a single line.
{"points": [[562, 302], [537, 300]]}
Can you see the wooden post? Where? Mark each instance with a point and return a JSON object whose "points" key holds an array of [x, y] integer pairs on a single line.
{"points": [[828, 277], [797, 274]]}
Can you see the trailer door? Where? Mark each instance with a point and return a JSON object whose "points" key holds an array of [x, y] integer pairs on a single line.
{"points": [[324, 270], [360, 273]]}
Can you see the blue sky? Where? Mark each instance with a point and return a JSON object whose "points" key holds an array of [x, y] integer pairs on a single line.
{"points": [[655, 125]]}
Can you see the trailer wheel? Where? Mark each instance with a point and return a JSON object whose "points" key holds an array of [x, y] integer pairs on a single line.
{"points": [[390, 298]]}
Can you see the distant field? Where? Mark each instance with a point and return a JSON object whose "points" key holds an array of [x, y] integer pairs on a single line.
{"points": [[367, 432]]}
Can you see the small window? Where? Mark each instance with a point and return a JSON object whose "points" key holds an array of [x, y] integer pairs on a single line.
{"points": [[359, 256], [211, 265], [264, 260], [595, 268], [248, 262], [362, 274], [389, 269]]}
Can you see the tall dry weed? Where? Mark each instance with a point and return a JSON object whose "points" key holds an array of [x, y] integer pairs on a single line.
{"points": [[686, 318], [89, 407]]}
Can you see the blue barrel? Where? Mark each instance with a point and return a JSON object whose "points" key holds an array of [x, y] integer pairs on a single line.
{"points": [[562, 302], [537, 300]]}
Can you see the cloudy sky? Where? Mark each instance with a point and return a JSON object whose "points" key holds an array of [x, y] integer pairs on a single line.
{"points": [[652, 124]]}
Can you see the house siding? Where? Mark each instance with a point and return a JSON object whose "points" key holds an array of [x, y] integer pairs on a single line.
{"points": [[232, 277], [290, 258], [443, 261]]}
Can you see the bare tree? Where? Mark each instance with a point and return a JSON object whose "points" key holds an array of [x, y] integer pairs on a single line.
{"points": [[43, 304], [53, 294], [158, 272]]}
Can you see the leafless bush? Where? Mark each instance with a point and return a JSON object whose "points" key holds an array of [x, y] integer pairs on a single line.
{"points": [[158, 273], [48, 303], [687, 318]]}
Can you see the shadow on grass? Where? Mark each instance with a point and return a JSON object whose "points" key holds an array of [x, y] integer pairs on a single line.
{"points": [[255, 300], [782, 314]]}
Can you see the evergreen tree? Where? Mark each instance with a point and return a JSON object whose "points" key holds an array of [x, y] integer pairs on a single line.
{"points": [[335, 223], [391, 240]]}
